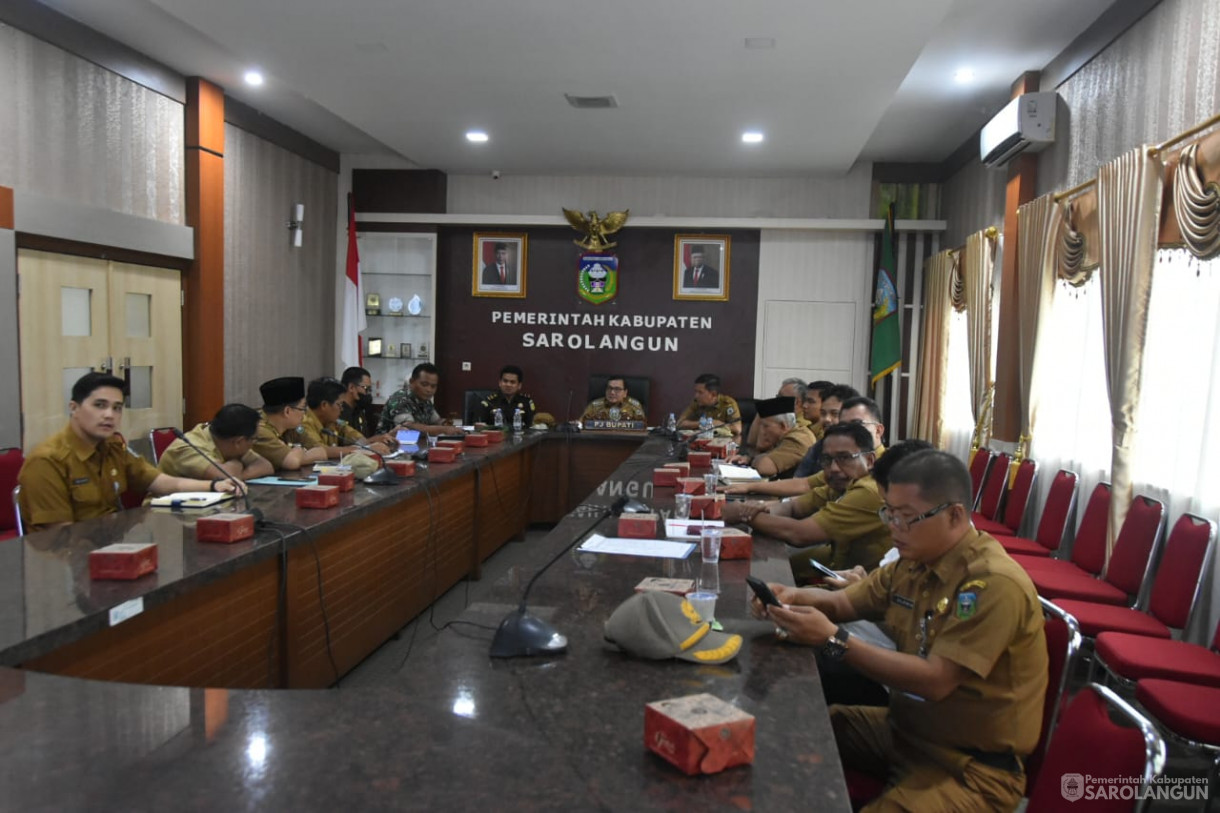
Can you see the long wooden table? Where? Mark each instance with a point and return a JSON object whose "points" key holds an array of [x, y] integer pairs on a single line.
{"points": [[455, 730]]}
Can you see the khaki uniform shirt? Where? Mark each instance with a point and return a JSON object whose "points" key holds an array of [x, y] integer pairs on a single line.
{"points": [[629, 410], [340, 434], [725, 410], [976, 607], [67, 479], [180, 460], [790, 449], [271, 444], [819, 479], [818, 429], [858, 536]]}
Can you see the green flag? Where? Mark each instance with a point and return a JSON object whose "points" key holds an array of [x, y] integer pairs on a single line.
{"points": [[887, 340]]}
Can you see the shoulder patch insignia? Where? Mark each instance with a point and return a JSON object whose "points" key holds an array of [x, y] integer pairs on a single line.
{"points": [[979, 583], [967, 603]]}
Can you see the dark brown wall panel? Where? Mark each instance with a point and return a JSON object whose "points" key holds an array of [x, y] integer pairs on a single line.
{"points": [[465, 331], [400, 190]]}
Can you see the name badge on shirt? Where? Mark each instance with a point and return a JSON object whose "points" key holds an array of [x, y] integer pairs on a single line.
{"points": [[80, 481], [902, 601]]}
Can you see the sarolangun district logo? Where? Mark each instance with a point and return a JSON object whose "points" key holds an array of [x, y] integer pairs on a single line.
{"points": [[598, 279]]}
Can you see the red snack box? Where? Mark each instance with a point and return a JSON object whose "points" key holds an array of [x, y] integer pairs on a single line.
{"points": [[706, 506], [692, 485], [345, 480], [123, 560], [224, 528], [638, 526], [403, 468], [494, 435], [700, 734], [736, 544], [719, 447], [665, 477], [699, 443], [476, 439], [317, 496], [458, 446], [699, 460], [682, 466], [442, 454]]}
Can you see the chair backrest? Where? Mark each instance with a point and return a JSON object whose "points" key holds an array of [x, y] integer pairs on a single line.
{"points": [[1089, 548], [160, 439], [11, 461], [1060, 500], [1187, 556], [749, 411], [638, 388], [1017, 500], [1137, 544], [470, 405], [994, 486], [978, 469], [1063, 642], [1088, 743]]}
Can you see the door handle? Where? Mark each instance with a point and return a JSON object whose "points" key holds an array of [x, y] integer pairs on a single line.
{"points": [[106, 365]]}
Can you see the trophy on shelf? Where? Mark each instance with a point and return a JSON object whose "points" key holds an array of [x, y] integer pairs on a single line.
{"points": [[374, 347], [395, 307], [372, 305], [405, 350]]}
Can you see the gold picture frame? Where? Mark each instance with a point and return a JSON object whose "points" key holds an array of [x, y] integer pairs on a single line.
{"points": [[708, 281], [496, 274]]}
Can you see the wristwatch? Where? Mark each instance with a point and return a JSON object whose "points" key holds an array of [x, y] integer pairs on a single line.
{"points": [[836, 645]]}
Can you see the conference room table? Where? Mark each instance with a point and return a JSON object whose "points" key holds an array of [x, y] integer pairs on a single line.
{"points": [[163, 709]]}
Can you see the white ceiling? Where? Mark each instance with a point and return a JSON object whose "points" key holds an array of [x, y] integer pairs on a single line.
{"points": [[869, 79]]}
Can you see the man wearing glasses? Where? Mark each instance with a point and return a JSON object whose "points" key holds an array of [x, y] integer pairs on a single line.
{"points": [[837, 523], [356, 400], [618, 405], [279, 425], [969, 673]]}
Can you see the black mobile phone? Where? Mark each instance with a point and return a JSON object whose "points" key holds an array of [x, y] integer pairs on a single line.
{"points": [[763, 592]]}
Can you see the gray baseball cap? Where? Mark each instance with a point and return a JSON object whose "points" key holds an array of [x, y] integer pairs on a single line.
{"points": [[660, 625]]}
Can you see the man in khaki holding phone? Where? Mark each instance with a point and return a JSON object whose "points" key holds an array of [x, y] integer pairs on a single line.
{"points": [[969, 675]]}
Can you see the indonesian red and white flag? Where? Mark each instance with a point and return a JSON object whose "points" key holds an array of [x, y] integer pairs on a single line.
{"points": [[351, 350]]}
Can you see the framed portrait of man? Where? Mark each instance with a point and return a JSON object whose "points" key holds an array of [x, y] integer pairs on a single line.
{"points": [[701, 267], [499, 267]]}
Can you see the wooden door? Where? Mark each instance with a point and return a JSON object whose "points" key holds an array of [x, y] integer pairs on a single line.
{"points": [[146, 342]]}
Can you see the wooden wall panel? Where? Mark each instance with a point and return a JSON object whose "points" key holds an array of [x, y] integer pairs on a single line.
{"points": [[503, 500]]}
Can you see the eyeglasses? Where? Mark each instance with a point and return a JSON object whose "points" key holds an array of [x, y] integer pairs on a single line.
{"points": [[616, 389], [841, 459], [297, 408], [364, 387], [904, 524]]}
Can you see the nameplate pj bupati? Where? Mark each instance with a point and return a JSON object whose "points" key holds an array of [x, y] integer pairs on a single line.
{"points": [[628, 426]]}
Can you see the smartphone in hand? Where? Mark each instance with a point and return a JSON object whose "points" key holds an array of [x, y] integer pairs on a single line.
{"points": [[824, 570], [763, 592]]}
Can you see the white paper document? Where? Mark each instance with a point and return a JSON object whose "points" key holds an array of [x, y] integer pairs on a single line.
{"points": [[738, 474], [191, 499], [658, 548], [689, 528]]}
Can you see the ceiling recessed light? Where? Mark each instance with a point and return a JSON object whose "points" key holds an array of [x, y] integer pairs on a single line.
{"points": [[476, 136], [254, 78], [751, 137], [963, 76]]}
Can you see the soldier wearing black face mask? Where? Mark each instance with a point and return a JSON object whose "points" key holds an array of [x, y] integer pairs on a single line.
{"points": [[356, 400]]}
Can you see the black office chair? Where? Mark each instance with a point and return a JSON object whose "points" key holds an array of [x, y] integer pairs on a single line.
{"points": [[749, 411], [637, 388], [470, 405]]}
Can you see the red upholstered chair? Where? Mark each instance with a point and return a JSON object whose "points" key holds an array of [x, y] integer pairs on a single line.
{"points": [[1015, 504], [978, 470], [1089, 549], [1190, 713], [994, 486], [1062, 649], [1060, 502], [11, 461], [160, 439], [1088, 742], [1175, 589], [1128, 658], [1135, 552]]}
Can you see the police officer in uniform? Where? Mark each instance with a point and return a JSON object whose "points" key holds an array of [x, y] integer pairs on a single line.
{"points": [[82, 471], [709, 402], [228, 443], [618, 405], [279, 429], [508, 399], [969, 673]]}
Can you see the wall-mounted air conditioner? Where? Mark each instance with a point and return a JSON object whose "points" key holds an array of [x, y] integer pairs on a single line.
{"points": [[1026, 124]]}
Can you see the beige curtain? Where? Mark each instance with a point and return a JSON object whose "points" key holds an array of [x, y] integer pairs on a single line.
{"points": [[934, 348], [1196, 204], [1129, 210], [978, 265], [1076, 247], [1038, 224]]}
